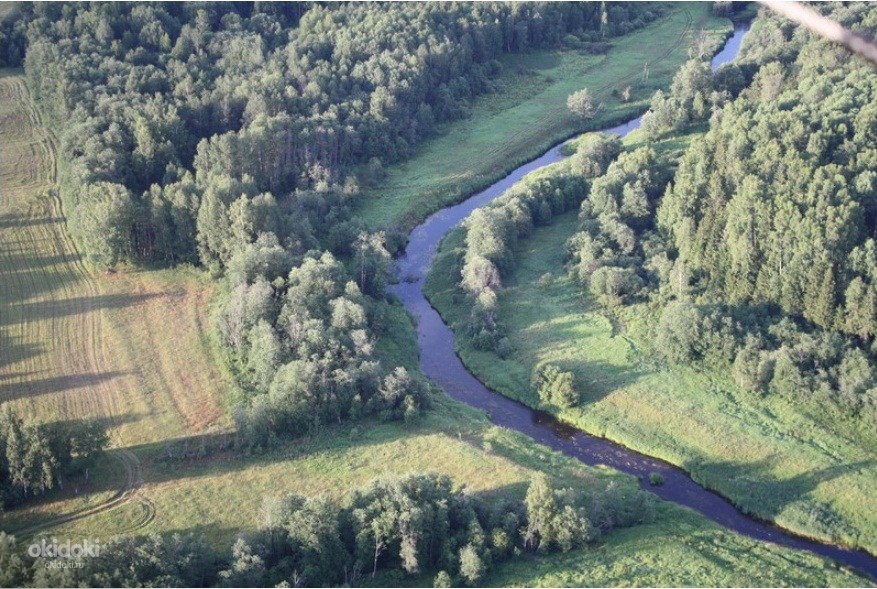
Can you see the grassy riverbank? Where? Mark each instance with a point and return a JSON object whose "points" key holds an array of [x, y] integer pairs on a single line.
{"points": [[528, 114], [771, 457]]}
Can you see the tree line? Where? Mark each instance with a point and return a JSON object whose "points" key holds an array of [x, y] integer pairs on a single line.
{"points": [[390, 529], [492, 233]]}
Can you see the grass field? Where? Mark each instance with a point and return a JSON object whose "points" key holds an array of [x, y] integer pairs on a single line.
{"points": [[528, 114], [813, 476], [130, 349]]}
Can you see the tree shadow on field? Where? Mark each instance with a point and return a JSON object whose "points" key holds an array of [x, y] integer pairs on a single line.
{"points": [[16, 220], [339, 447], [759, 489], [12, 352], [56, 384], [25, 275], [52, 309]]}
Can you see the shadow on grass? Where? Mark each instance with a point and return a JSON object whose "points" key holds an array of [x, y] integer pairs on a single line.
{"points": [[72, 306], [12, 352], [787, 498], [54, 384], [8, 220]]}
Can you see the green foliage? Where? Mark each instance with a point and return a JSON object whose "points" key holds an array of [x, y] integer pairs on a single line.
{"points": [[656, 479], [555, 387], [442, 580], [471, 567], [567, 518], [101, 222], [13, 571], [35, 458], [594, 154], [774, 203], [679, 333]]}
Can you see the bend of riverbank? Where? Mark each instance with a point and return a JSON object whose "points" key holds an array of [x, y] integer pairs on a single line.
{"points": [[440, 362], [527, 115]]}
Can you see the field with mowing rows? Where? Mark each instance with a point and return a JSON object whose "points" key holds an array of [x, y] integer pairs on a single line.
{"points": [[129, 348]]}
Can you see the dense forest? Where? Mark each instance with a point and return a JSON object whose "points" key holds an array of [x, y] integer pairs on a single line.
{"points": [[398, 527], [757, 244], [236, 136], [176, 101]]}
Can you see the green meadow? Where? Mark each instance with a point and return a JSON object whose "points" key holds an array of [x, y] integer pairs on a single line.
{"points": [[772, 458], [527, 114]]}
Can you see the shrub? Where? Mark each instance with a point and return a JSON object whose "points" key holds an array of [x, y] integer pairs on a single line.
{"points": [[555, 387], [678, 337], [656, 479], [581, 104], [442, 579]]}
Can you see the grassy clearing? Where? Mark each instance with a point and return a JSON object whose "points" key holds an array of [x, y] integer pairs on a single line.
{"points": [[130, 349], [812, 475], [677, 550], [528, 114]]}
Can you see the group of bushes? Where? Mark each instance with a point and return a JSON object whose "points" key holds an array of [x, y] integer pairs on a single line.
{"points": [[555, 387], [394, 527], [35, 458], [302, 341], [607, 256], [492, 233], [773, 355]]}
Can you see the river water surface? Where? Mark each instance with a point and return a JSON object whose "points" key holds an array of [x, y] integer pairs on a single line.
{"points": [[439, 361]]}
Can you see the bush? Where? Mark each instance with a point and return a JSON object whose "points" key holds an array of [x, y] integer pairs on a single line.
{"points": [[656, 479], [442, 580], [677, 338], [581, 104], [555, 387]]}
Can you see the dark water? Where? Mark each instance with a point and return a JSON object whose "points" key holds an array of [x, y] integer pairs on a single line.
{"points": [[439, 361]]}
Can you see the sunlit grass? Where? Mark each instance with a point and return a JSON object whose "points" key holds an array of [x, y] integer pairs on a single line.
{"points": [[528, 114], [773, 458]]}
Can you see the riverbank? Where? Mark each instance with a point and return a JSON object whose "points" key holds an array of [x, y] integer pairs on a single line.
{"points": [[527, 115], [806, 517]]}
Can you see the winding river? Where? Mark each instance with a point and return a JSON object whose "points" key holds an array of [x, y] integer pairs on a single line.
{"points": [[439, 361]]}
